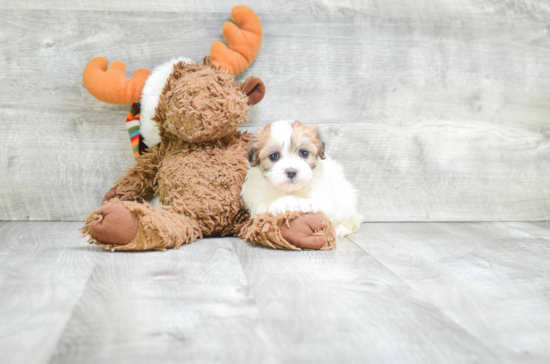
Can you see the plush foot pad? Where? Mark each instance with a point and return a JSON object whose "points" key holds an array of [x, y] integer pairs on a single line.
{"points": [[291, 230], [114, 224], [300, 232]]}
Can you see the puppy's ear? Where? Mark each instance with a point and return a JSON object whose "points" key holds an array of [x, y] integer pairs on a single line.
{"points": [[252, 152], [254, 88], [319, 143]]}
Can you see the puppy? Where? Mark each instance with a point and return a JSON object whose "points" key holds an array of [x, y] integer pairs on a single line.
{"points": [[290, 172]]}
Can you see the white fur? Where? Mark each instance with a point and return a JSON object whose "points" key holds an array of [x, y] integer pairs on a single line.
{"points": [[326, 190], [290, 203], [150, 97], [281, 131]]}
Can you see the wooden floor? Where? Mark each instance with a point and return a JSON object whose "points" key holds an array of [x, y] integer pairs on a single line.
{"points": [[395, 292]]}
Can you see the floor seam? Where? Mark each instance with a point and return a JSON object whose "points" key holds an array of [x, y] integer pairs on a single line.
{"points": [[77, 301], [262, 326], [475, 337]]}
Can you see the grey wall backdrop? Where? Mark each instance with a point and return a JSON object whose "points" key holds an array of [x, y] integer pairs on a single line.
{"points": [[437, 109]]}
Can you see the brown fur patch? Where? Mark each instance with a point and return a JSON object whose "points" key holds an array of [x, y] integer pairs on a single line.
{"points": [[139, 182], [306, 138], [200, 103], [256, 144], [200, 190], [204, 181]]}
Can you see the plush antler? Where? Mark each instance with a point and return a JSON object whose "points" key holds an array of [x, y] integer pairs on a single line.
{"points": [[244, 41], [111, 85]]}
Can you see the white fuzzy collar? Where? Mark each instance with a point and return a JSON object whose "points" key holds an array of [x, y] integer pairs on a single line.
{"points": [[150, 98]]}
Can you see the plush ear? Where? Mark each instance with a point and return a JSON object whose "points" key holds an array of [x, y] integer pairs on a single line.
{"points": [[254, 88], [319, 143], [252, 152]]}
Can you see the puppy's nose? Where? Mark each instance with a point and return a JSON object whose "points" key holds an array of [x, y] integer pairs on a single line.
{"points": [[291, 173]]}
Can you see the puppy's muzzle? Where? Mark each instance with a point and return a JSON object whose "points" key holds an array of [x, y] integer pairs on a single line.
{"points": [[291, 173]]}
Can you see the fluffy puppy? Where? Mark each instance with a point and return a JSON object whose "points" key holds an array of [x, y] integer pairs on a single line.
{"points": [[290, 172]]}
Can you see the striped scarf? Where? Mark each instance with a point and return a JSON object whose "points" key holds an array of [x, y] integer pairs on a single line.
{"points": [[133, 126]]}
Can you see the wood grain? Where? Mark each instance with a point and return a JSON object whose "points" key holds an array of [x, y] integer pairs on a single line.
{"points": [[542, 224], [490, 278], [419, 9], [44, 268], [400, 292], [438, 110], [344, 306], [189, 305]]}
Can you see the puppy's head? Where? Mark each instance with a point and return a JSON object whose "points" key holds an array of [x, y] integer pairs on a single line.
{"points": [[286, 152]]}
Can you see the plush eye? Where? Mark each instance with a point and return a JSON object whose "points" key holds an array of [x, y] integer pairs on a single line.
{"points": [[274, 157], [304, 153]]}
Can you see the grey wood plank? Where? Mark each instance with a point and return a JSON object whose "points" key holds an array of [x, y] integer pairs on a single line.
{"points": [[381, 54], [542, 224], [475, 292], [490, 278], [208, 6], [434, 119], [44, 266], [189, 305], [343, 306], [419, 9]]}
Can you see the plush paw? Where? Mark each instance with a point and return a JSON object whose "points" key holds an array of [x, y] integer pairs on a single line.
{"points": [[301, 231], [115, 224], [290, 203]]}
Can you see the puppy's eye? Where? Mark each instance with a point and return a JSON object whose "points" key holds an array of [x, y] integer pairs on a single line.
{"points": [[274, 157], [304, 154]]}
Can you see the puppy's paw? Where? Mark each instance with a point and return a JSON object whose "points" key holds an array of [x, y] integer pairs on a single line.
{"points": [[342, 231], [290, 203]]}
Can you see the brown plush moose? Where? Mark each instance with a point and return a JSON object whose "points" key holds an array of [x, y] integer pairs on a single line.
{"points": [[196, 160]]}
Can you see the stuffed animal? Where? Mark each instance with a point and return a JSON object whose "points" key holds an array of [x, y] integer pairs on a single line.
{"points": [[195, 157]]}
